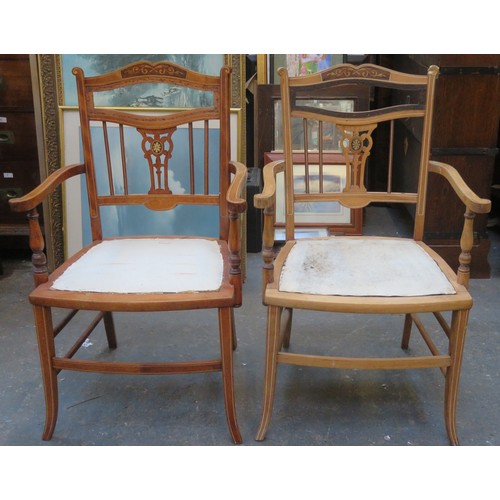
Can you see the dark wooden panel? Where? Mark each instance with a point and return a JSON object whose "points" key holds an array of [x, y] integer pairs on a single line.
{"points": [[466, 135], [467, 111], [17, 136], [460, 60], [19, 168], [444, 217], [16, 178], [15, 82]]}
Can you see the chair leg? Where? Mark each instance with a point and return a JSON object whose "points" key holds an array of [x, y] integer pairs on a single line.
{"points": [[287, 327], [226, 345], [233, 329], [109, 327], [46, 349], [457, 341], [405, 341], [272, 349]]}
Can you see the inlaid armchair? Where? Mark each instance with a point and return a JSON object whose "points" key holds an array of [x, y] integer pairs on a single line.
{"points": [[361, 275], [155, 161]]}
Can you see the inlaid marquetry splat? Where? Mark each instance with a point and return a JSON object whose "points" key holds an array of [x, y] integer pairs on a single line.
{"points": [[356, 143], [158, 147]]}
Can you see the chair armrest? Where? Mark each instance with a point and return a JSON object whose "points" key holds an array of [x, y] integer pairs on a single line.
{"points": [[268, 196], [266, 200], [36, 196], [473, 202], [474, 205], [29, 203], [234, 197]]}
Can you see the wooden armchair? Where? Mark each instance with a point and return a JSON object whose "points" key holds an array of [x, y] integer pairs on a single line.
{"points": [[130, 159], [364, 274]]}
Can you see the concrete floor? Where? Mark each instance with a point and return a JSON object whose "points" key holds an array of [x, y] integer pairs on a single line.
{"points": [[312, 407]]}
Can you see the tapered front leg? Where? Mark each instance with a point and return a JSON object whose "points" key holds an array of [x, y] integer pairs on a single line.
{"points": [[405, 341], [46, 349], [226, 346], [109, 327], [457, 340], [287, 326], [272, 349], [233, 326]]}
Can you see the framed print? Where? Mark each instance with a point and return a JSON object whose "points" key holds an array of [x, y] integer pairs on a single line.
{"points": [[331, 135], [333, 217], [301, 64], [268, 134], [60, 126], [155, 96]]}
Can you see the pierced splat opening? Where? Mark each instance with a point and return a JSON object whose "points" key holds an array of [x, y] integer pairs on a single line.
{"points": [[356, 144], [158, 147]]}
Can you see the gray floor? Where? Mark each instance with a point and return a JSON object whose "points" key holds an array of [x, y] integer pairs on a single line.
{"points": [[312, 407]]}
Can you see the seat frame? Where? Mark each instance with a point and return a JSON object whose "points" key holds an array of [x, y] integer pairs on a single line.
{"points": [[357, 126], [229, 198]]}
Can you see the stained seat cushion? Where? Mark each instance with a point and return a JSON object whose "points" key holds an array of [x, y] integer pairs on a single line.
{"points": [[146, 265], [352, 266]]}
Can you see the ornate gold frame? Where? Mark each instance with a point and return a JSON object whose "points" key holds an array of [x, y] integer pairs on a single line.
{"points": [[51, 153]]}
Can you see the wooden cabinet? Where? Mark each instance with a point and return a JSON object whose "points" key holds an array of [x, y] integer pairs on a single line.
{"points": [[19, 166], [465, 134]]}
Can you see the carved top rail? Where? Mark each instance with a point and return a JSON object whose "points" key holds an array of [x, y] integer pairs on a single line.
{"points": [[365, 73]]}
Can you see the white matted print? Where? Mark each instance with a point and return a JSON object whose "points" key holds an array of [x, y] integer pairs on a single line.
{"points": [[319, 213]]}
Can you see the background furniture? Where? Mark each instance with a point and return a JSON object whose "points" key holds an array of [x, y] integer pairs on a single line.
{"points": [[466, 135], [19, 167]]}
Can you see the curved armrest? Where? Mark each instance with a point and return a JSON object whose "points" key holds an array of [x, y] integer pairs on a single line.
{"points": [[235, 192], [36, 196], [474, 205], [267, 200], [473, 202], [268, 195]]}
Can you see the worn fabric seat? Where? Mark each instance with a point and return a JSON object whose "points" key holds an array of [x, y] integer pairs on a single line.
{"points": [[146, 265], [362, 267]]}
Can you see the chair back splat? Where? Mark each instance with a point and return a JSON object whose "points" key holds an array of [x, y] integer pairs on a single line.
{"points": [[165, 202], [351, 273]]}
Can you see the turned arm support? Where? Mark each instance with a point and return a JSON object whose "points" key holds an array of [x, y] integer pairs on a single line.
{"points": [[474, 205], [237, 205], [267, 201], [29, 203]]}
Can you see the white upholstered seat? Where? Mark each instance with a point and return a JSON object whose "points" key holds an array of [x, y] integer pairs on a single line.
{"points": [[386, 267], [146, 265]]}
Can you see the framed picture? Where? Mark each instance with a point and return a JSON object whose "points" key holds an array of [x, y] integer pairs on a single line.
{"points": [[333, 217], [60, 126], [155, 95], [331, 135], [301, 64], [268, 127]]}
